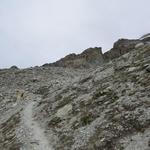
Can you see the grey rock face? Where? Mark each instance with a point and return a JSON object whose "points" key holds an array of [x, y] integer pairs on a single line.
{"points": [[69, 107], [145, 38], [93, 56], [121, 47], [88, 58], [14, 67]]}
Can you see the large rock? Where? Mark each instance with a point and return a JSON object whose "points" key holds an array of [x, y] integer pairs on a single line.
{"points": [[14, 67], [145, 38], [62, 112], [93, 56], [120, 47], [88, 58]]}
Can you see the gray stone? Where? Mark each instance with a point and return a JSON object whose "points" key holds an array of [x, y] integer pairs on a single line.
{"points": [[148, 68], [81, 102]]}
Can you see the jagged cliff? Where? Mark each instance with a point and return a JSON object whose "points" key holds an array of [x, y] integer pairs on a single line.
{"points": [[88, 58], [89, 101], [92, 57]]}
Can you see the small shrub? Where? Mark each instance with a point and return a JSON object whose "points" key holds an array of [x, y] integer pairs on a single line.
{"points": [[98, 94], [86, 119], [85, 80], [66, 100], [55, 121], [43, 91]]}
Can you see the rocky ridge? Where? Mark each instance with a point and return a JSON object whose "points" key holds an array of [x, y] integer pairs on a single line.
{"points": [[88, 58], [90, 101], [92, 57]]}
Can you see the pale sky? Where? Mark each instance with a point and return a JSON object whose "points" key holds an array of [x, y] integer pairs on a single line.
{"points": [[34, 32]]}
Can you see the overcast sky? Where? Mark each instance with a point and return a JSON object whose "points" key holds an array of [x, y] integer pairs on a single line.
{"points": [[34, 32]]}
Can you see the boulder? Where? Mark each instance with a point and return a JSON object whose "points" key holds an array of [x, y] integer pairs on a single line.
{"points": [[88, 58], [139, 45], [145, 38], [64, 111], [14, 67], [121, 47]]}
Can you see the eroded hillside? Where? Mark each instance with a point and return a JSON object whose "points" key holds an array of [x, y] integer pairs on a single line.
{"points": [[103, 105]]}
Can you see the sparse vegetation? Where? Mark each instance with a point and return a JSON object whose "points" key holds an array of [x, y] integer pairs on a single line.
{"points": [[54, 122]]}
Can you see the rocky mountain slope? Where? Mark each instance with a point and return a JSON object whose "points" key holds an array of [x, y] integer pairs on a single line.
{"points": [[90, 101]]}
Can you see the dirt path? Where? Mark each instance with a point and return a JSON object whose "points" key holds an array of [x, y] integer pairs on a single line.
{"points": [[34, 137]]}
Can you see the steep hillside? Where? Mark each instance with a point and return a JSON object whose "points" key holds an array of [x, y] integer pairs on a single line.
{"points": [[90, 101]]}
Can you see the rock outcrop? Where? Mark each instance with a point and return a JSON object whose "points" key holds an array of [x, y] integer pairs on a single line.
{"points": [[145, 38], [14, 67], [71, 105], [94, 56], [88, 58], [120, 47]]}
